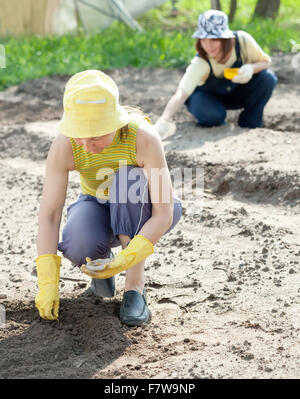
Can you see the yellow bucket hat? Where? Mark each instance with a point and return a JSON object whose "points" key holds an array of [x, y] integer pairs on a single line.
{"points": [[91, 106]]}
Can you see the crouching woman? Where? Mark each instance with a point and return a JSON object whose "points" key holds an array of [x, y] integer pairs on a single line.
{"points": [[115, 152]]}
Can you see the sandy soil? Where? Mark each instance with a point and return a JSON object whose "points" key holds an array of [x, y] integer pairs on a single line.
{"points": [[223, 286]]}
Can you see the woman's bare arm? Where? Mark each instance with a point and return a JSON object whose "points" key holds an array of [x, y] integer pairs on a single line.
{"points": [[151, 157], [260, 66], [59, 163], [174, 104]]}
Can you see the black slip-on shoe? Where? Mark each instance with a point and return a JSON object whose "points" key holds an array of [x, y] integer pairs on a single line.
{"points": [[104, 288], [134, 310]]}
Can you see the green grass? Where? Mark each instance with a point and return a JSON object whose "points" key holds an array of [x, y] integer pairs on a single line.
{"points": [[165, 42]]}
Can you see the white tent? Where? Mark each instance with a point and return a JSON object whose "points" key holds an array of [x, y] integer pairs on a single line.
{"points": [[56, 17], [96, 15]]}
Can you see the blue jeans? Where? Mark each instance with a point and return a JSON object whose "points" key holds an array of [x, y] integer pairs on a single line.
{"points": [[209, 108], [93, 226]]}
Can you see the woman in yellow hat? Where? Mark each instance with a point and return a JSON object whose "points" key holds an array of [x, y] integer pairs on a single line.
{"points": [[121, 203], [230, 71]]}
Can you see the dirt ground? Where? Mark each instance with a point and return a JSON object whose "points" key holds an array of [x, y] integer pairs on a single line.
{"points": [[223, 286]]}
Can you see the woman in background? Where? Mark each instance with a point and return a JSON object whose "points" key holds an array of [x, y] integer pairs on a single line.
{"points": [[204, 89]]}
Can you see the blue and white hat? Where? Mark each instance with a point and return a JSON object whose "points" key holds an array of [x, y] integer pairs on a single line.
{"points": [[213, 24]]}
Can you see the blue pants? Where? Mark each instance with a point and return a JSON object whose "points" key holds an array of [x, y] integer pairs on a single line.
{"points": [[209, 108], [93, 226]]}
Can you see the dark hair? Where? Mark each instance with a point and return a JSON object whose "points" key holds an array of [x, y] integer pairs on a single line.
{"points": [[227, 45], [130, 110]]}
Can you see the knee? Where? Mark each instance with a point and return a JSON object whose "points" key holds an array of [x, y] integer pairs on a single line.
{"points": [[177, 213], [214, 117], [211, 117], [78, 247], [205, 110], [192, 103], [271, 79], [268, 80]]}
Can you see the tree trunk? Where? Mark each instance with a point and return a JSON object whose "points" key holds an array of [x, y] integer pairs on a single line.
{"points": [[215, 5], [233, 4], [78, 19], [267, 8]]}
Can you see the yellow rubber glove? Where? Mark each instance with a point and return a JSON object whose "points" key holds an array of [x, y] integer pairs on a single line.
{"points": [[137, 250], [48, 272]]}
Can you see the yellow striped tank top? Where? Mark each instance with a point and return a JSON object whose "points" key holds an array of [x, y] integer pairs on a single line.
{"points": [[97, 170]]}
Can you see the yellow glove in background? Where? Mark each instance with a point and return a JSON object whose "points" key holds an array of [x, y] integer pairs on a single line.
{"points": [[137, 250], [48, 272]]}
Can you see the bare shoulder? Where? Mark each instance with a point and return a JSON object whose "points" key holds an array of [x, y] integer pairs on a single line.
{"points": [[148, 143], [147, 135], [61, 153]]}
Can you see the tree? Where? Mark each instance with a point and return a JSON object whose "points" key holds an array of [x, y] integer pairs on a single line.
{"points": [[215, 4], [267, 8], [233, 5]]}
